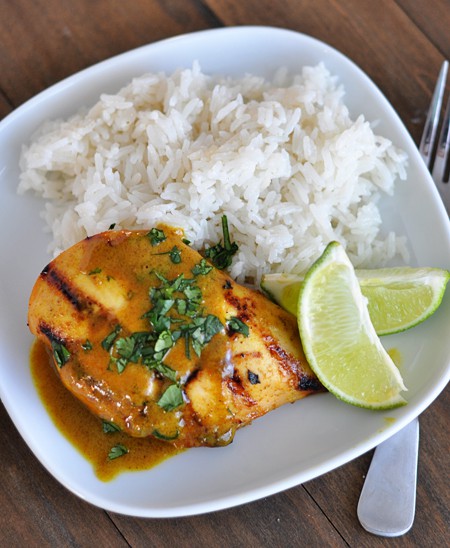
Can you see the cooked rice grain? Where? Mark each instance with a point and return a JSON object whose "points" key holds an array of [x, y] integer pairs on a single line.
{"points": [[283, 161]]}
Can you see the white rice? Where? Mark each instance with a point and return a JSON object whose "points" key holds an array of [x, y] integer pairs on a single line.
{"points": [[282, 159]]}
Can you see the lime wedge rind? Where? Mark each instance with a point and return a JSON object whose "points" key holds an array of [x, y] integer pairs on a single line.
{"points": [[414, 293], [399, 298], [338, 337]]}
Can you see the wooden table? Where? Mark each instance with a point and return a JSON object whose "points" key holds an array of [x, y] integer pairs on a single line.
{"points": [[401, 45]]}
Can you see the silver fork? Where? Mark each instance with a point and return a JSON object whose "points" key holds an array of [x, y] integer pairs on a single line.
{"points": [[388, 499], [438, 163]]}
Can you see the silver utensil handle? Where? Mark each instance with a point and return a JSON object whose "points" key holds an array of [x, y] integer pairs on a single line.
{"points": [[388, 499]]}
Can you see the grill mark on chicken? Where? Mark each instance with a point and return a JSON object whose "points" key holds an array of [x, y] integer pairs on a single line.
{"points": [[289, 364], [250, 355], [243, 306], [234, 384], [238, 377], [50, 333], [191, 377], [308, 383], [82, 303], [55, 279]]}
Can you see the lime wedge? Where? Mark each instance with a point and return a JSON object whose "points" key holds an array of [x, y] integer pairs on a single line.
{"points": [[339, 340], [283, 289], [398, 298]]}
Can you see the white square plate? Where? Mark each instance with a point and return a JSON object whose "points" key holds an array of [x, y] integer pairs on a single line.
{"points": [[292, 444]]}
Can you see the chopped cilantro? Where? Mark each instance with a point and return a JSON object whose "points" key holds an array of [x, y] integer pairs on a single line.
{"points": [[235, 325], [112, 226], [221, 255], [156, 236], [201, 268], [137, 346], [108, 341], [109, 427], [87, 345], [193, 294], [176, 312], [95, 271], [60, 353], [166, 371], [175, 255], [125, 346], [157, 434], [120, 363], [181, 305], [164, 342], [199, 332], [171, 398], [117, 451]]}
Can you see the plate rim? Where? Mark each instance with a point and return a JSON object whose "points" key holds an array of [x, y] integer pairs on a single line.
{"points": [[267, 489]]}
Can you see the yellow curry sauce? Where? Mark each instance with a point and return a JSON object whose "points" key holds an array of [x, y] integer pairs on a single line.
{"points": [[159, 345], [84, 430]]}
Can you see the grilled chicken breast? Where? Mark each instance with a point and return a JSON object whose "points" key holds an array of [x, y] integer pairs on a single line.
{"points": [[152, 338]]}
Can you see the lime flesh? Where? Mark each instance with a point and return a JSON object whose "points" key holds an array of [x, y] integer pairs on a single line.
{"points": [[398, 298], [339, 340]]}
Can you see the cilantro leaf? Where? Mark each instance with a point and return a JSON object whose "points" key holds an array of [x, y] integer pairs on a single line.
{"points": [[120, 363], [201, 268], [156, 236], [175, 255], [125, 346], [117, 451], [165, 371], [60, 353], [200, 332], [164, 341], [171, 398], [235, 325], [110, 427], [157, 434], [181, 305], [87, 345], [108, 341], [221, 255], [193, 293]]}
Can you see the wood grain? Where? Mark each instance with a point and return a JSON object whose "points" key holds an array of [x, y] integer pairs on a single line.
{"points": [[36, 510], [401, 45], [283, 520], [378, 36], [337, 493], [43, 41], [432, 19]]}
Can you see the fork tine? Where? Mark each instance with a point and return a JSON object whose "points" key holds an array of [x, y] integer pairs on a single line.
{"points": [[443, 148], [431, 123]]}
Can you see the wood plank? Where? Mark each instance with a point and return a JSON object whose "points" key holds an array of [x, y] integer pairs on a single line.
{"points": [[393, 52], [287, 519], [337, 493], [44, 41], [432, 18], [36, 510], [5, 106]]}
